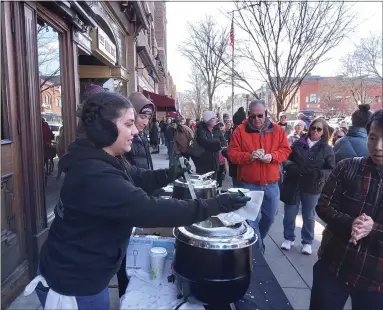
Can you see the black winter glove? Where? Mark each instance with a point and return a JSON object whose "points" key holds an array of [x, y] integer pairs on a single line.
{"points": [[176, 171], [231, 202]]}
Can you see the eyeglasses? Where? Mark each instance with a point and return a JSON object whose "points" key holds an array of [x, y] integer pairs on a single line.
{"points": [[313, 128], [253, 116]]}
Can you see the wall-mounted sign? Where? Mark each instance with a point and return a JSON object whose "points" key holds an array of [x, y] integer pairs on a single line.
{"points": [[102, 44], [85, 42]]}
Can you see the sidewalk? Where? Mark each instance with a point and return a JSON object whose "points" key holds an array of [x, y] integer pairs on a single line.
{"points": [[292, 269]]}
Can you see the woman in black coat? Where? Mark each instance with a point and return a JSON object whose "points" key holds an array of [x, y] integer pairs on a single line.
{"points": [[102, 198], [309, 165], [212, 140], [139, 155], [154, 136]]}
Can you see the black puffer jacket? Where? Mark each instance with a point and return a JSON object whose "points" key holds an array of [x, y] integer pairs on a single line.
{"points": [[100, 202], [212, 142], [140, 155], [307, 169]]}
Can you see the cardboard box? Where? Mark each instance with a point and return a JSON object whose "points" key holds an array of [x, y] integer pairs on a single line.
{"points": [[137, 254]]}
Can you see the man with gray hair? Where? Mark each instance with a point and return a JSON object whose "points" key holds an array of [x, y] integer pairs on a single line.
{"points": [[258, 147]]}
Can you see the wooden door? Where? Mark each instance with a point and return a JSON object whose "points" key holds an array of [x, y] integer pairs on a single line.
{"points": [[14, 263]]}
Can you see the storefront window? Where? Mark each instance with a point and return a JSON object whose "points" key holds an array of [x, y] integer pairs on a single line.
{"points": [[48, 47]]}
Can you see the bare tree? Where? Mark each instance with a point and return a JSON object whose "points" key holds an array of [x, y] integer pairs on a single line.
{"points": [[205, 48], [369, 54], [354, 79], [194, 101], [286, 40]]}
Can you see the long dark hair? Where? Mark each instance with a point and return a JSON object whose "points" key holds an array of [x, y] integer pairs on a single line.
{"points": [[326, 135]]}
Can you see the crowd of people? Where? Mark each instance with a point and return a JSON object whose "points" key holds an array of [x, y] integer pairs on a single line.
{"points": [[110, 187], [335, 173]]}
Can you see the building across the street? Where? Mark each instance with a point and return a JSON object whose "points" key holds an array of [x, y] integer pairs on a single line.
{"points": [[51, 51], [330, 96]]}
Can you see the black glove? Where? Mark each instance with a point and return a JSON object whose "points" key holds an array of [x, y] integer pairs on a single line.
{"points": [[231, 202], [176, 171]]}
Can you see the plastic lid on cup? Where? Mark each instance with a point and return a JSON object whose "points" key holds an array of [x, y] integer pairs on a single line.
{"points": [[160, 251], [235, 190]]}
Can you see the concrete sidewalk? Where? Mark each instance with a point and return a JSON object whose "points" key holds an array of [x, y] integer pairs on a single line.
{"points": [[292, 269]]}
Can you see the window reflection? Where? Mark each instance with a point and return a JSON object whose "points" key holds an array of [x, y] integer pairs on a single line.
{"points": [[48, 46]]}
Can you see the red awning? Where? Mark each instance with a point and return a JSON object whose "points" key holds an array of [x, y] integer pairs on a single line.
{"points": [[162, 103]]}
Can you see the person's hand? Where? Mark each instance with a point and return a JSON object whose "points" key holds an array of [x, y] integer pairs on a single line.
{"points": [[177, 171], [266, 159], [361, 227], [232, 201]]}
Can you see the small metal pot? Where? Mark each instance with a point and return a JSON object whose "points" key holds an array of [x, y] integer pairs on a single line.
{"points": [[214, 265], [204, 188]]}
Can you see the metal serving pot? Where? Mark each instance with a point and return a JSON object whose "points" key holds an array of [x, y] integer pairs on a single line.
{"points": [[203, 187], [213, 265]]}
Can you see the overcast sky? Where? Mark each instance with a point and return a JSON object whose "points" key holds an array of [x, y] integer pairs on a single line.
{"points": [[180, 12]]}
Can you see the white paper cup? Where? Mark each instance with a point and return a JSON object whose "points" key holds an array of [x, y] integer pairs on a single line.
{"points": [[157, 262]]}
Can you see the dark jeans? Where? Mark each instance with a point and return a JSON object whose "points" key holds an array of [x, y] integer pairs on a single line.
{"points": [[99, 301], [331, 293]]}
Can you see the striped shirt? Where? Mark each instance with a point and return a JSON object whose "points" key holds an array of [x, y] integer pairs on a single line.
{"points": [[342, 200]]}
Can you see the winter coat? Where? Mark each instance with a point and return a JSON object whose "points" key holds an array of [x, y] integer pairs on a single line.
{"points": [[272, 138], [139, 155], [163, 126], [212, 142], [153, 134], [354, 144], [306, 169], [169, 133], [100, 202]]}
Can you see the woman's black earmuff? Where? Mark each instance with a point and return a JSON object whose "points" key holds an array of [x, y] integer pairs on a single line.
{"points": [[101, 131]]}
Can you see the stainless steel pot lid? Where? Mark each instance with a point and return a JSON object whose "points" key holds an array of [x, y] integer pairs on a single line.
{"points": [[218, 237]]}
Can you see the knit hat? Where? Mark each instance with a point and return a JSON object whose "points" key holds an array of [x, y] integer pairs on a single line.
{"points": [[141, 104], [208, 115], [239, 116], [299, 122]]}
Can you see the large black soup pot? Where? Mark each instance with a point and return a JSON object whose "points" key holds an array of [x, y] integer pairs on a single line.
{"points": [[213, 265]]}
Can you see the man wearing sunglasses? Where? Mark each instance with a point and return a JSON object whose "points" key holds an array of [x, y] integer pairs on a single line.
{"points": [[258, 147]]}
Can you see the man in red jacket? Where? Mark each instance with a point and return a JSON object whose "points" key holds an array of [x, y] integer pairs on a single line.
{"points": [[258, 147]]}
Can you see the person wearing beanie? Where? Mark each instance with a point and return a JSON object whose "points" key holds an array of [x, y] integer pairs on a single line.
{"points": [[212, 140], [138, 156], [354, 144], [299, 126], [239, 117], [140, 153], [226, 118], [283, 123]]}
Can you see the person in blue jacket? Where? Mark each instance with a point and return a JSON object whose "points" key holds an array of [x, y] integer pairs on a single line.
{"points": [[354, 144], [102, 198]]}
